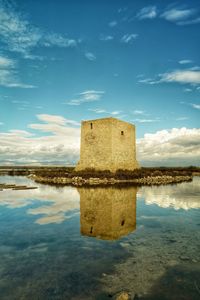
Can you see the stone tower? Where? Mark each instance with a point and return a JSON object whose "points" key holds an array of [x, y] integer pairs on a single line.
{"points": [[107, 144], [107, 213]]}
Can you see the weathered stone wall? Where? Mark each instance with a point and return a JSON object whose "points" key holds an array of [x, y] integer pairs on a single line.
{"points": [[123, 145], [107, 213], [95, 145], [107, 144]]}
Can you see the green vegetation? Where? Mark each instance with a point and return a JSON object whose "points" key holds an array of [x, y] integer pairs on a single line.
{"points": [[153, 172], [54, 172], [138, 173], [89, 173], [69, 172]]}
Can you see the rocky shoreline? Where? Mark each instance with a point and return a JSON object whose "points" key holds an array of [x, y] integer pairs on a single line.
{"points": [[79, 181]]}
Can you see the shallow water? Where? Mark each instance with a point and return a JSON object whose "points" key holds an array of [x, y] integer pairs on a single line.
{"points": [[90, 243]]}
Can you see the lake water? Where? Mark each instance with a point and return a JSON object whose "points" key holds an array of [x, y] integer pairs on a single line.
{"points": [[91, 243]]}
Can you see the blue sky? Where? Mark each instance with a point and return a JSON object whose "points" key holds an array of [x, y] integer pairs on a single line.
{"points": [[66, 61]]}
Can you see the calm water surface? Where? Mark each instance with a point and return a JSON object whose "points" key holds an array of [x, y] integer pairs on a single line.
{"points": [[90, 243]]}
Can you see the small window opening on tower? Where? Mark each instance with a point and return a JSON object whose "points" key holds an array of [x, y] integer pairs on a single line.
{"points": [[122, 133], [91, 229], [122, 222], [91, 125]]}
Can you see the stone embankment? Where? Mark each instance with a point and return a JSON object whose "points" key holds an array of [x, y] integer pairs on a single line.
{"points": [[157, 180], [78, 181]]}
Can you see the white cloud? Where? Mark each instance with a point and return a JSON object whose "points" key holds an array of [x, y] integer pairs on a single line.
{"points": [[179, 16], [194, 68], [189, 22], [103, 111], [91, 94], [1, 123], [185, 61], [149, 12], [53, 128], [138, 112], [129, 38], [90, 56], [106, 38], [177, 146], [175, 14], [59, 120], [20, 102], [6, 62], [54, 39], [187, 90], [115, 112], [9, 78], [17, 32], [148, 81], [113, 23], [60, 144], [20, 36], [17, 132], [34, 57], [146, 120], [86, 96], [55, 124], [196, 106], [98, 110], [181, 76]]}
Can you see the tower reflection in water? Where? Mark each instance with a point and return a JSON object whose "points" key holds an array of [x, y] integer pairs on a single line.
{"points": [[107, 213]]}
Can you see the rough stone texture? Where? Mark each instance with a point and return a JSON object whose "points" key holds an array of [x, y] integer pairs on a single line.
{"points": [[107, 144], [107, 213]]}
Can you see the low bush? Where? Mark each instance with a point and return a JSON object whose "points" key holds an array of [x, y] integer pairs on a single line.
{"points": [[120, 174], [89, 172]]}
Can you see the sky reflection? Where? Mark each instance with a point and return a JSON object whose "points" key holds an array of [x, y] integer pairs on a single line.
{"points": [[110, 206]]}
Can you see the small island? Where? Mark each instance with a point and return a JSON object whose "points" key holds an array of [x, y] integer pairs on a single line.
{"points": [[107, 157], [142, 176], [69, 176]]}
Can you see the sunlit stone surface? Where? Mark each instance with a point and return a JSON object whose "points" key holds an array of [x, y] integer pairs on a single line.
{"points": [[107, 144]]}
